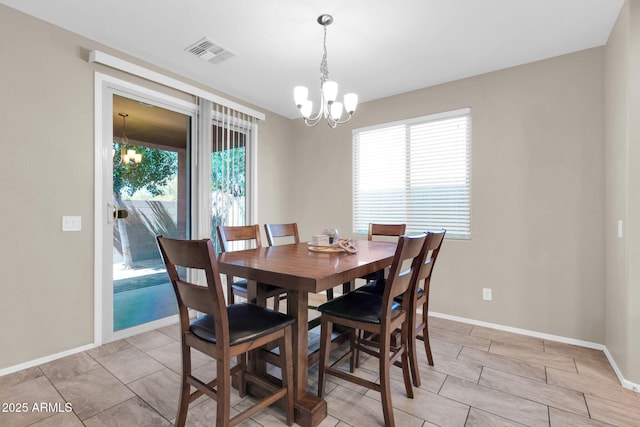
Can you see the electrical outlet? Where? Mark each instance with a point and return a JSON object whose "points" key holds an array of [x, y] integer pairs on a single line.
{"points": [[486, 294]]}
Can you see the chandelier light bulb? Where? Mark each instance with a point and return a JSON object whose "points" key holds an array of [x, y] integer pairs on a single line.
{"points": [[300, 95], [350, 102], [336, 110], [306, 108], [330, 91]]}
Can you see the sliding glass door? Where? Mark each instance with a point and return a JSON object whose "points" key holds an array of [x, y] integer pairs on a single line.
{"points": [[163, 166], [150, 197]]}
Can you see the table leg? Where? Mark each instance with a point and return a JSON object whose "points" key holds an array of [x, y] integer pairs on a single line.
{"points": [[310, 410], [256, 293], [348, 287]]}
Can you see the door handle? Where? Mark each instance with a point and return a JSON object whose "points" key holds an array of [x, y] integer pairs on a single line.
{"points": [[116, 213], [120, 214]]}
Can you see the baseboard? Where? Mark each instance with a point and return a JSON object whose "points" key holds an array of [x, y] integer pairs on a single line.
{"points": [[46, 359], [625, 383], [588, 344]]}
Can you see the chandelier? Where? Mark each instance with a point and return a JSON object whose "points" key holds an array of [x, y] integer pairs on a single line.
{"points": [[330, 109], [128, 156]]}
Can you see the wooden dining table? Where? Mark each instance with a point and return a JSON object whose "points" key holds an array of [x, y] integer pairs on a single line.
{"points": [[301, 271]]}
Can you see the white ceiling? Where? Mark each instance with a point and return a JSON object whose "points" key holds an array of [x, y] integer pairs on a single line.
{"points": [[376, 48]]}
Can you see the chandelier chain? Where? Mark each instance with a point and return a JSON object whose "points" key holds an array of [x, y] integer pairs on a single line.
{"points": [[324, 67]]}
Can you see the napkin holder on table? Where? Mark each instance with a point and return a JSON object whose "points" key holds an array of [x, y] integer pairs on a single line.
{"points": [[320, 240]]}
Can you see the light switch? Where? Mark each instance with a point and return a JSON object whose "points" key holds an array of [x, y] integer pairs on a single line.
{"points": [[71, 223]]}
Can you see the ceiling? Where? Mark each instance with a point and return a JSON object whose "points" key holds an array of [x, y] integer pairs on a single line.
{"points": [[375, 48], [149, 124]]}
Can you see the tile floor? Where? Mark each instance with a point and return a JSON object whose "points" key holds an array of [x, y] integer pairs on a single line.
{"points": [[481, 377]]}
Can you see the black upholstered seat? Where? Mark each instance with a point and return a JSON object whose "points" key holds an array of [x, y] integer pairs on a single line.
{"points": [[247, 322], [377, 288], [359, 306]]}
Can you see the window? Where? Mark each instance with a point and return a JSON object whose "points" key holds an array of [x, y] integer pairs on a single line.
{"points": [[416, 172]]}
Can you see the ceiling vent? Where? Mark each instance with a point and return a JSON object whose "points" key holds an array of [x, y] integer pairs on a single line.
{"points": [[209, 51]]}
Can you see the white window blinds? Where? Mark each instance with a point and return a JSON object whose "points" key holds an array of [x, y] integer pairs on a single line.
{"points": [[416, 172]]}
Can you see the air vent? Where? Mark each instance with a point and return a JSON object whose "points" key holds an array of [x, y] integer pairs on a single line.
{"points": [[209, 51]]}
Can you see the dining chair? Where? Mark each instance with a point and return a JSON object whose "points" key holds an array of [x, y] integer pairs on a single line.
{"points": [[276, 231], [379, 316], [224, 332], [247, 234], [420, 320], [382, 230]]}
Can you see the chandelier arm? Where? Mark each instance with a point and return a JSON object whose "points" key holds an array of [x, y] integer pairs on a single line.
{"points": [[313, 121], [317, 116], [339, 122]]}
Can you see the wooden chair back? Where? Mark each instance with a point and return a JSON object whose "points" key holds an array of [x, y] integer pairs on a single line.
{"points": [[404, 267], [428, 257], [274, 231], [238, 233], [195, 256], [396, 230]]}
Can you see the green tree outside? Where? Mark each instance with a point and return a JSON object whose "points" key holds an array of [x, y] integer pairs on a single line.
{"points": [[157, 169]]}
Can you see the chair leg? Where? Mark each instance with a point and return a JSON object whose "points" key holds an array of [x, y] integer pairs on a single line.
{"points": [[325, 347], [223, 404], [385, 386], [356, 350], [276, 303], [352, 350], [409, 368], [412, 349], [287, 372], [242, 383], [425, 334], [185, 389]]}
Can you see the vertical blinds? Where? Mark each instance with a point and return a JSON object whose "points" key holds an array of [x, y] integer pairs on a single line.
{"points": [[231, 136], [416, 172]]}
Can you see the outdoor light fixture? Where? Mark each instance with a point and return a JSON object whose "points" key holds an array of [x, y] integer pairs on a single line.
{"points": [[128, 156]]}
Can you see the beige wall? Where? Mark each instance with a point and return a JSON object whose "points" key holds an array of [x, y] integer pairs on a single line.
{"points": [[632, 368], [537, 193], [622, 142], [46, 117]]}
